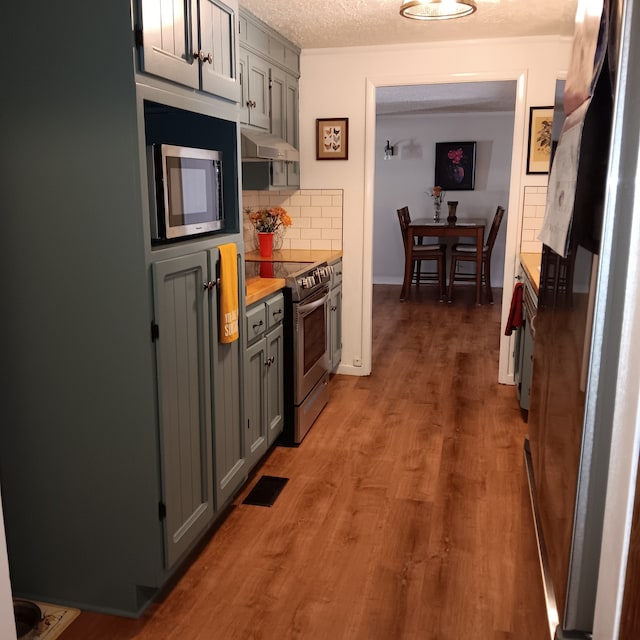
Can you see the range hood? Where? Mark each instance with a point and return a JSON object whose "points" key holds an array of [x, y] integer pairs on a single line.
{"points": [[260, 145]]}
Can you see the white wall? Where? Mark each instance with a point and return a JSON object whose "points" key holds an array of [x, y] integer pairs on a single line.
{"points": [[407, 178], [341, 83]]}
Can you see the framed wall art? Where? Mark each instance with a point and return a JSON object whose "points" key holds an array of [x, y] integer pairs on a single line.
{"points": [[539, 145], [332, 139], [455, 166]]}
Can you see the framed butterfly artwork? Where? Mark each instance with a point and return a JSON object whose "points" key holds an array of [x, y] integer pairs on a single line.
{"points": [[332, 138]]}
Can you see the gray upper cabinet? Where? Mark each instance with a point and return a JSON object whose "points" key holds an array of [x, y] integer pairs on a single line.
{"points": [[191, 42], [218, 48], [267, 56], [254, 79], [182, 355], [284, 124]]}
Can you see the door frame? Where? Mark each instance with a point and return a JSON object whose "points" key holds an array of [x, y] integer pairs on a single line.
{"points": [[513, 222]]}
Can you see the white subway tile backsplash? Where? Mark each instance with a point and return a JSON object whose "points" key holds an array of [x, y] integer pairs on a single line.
{"points": [[531, 247], [534, 203], [310, 212], [321, 223], [331, 212], [331, 234], [321, 201], [301, 201], [300, 244], [311, 234], [316, 215]]}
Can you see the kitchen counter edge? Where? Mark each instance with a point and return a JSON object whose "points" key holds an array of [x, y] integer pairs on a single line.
{"points": [[531, 264], [259, 288]]}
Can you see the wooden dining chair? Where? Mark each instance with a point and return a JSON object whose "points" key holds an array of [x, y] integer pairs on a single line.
{"points": [[418, 253], [468, 253]]}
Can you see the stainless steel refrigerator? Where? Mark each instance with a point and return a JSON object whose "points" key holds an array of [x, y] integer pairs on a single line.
{"points": [[578, 324]]}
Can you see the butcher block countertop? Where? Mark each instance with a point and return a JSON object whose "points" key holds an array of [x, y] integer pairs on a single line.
{"points": [[259, 288], [531, 264]]}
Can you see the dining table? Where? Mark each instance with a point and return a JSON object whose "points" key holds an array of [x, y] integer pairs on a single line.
{"points": [[428, 227]]}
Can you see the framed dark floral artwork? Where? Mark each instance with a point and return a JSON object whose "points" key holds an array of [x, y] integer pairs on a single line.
{"points": [[332, 139], [539, 147], [456, 166]]}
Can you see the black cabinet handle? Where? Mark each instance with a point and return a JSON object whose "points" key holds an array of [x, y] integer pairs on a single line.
{"points": [[257, 326]]}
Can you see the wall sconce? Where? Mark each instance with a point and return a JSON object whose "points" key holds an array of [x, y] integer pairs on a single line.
{"points": [[389, 151]]}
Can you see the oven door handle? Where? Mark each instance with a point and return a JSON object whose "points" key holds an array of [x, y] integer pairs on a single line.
{"points": [[305, 308]]}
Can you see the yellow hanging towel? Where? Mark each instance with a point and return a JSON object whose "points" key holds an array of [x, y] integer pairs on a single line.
{"points": [[228, 325]]}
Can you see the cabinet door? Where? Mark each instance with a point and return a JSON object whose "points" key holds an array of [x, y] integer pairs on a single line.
{"points": [[255, 402], [230, 462], [217, 44], [274, 392], [335, 331], [184, 401], [256, 80], [291, 128], [278, 113], [169, 35]]}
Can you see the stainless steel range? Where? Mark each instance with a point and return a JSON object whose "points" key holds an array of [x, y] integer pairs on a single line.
{"points": [[306, 370]]}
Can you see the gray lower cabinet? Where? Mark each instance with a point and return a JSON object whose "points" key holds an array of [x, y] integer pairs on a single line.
{"points": [[193, 44], [524, 344], [198, 400], [263, 380], [334, 319]]}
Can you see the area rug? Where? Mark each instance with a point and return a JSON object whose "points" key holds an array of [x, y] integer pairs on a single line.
{"points": [[265, 491], [55, 619]]}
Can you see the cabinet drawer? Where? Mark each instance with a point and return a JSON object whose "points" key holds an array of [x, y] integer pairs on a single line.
{"points": [[275, 310], [256, 322]]}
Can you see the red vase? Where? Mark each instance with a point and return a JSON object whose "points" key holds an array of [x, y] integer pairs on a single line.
{"points": [[265, 242]]}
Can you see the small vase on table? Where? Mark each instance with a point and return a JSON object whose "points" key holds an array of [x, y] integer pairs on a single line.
{"points": [[452, 218], [436, 211]]}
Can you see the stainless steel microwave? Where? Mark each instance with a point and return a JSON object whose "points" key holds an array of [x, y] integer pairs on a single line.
{"points": [[185, 188]]}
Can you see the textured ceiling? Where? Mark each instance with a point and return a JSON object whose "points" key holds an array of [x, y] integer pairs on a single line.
{"points": [[348, 23]]}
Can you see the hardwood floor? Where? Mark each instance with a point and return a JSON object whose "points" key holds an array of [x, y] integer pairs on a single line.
{"points": [[406, 515]]}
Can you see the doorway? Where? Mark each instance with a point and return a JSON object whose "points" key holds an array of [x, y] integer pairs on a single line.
{"points": [[376, 209], [413, 119]]}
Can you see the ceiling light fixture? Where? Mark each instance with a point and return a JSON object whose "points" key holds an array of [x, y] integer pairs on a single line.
{"points": [[437, 9]]}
